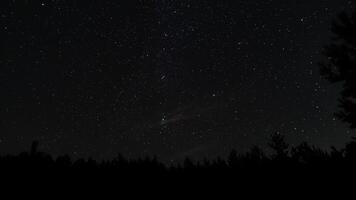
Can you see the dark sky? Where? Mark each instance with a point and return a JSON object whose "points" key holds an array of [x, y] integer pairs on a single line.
{"points": [[171, 78]]}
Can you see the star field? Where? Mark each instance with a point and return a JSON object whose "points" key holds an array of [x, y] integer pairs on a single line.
{"points": [[167, 78]]}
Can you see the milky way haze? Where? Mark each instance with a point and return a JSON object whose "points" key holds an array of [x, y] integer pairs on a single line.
{"points": [[170, 78]]}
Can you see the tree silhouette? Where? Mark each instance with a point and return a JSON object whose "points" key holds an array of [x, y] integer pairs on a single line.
{"points": [[340, 65], [256, 153], [350, 150], [279, 145], [34, 147], [233, 158]]}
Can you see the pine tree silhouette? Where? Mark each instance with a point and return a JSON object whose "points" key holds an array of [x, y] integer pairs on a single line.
{"points": [[278, 144], [339, 65], [34, 147]]}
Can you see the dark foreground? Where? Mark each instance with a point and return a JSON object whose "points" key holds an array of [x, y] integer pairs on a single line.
{"points": [[302, 166]]}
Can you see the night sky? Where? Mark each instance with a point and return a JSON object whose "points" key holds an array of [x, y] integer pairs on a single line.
{"points": [[163, 77]]}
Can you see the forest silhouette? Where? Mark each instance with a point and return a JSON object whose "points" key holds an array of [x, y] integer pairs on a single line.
{"points": [[301, 158]]}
